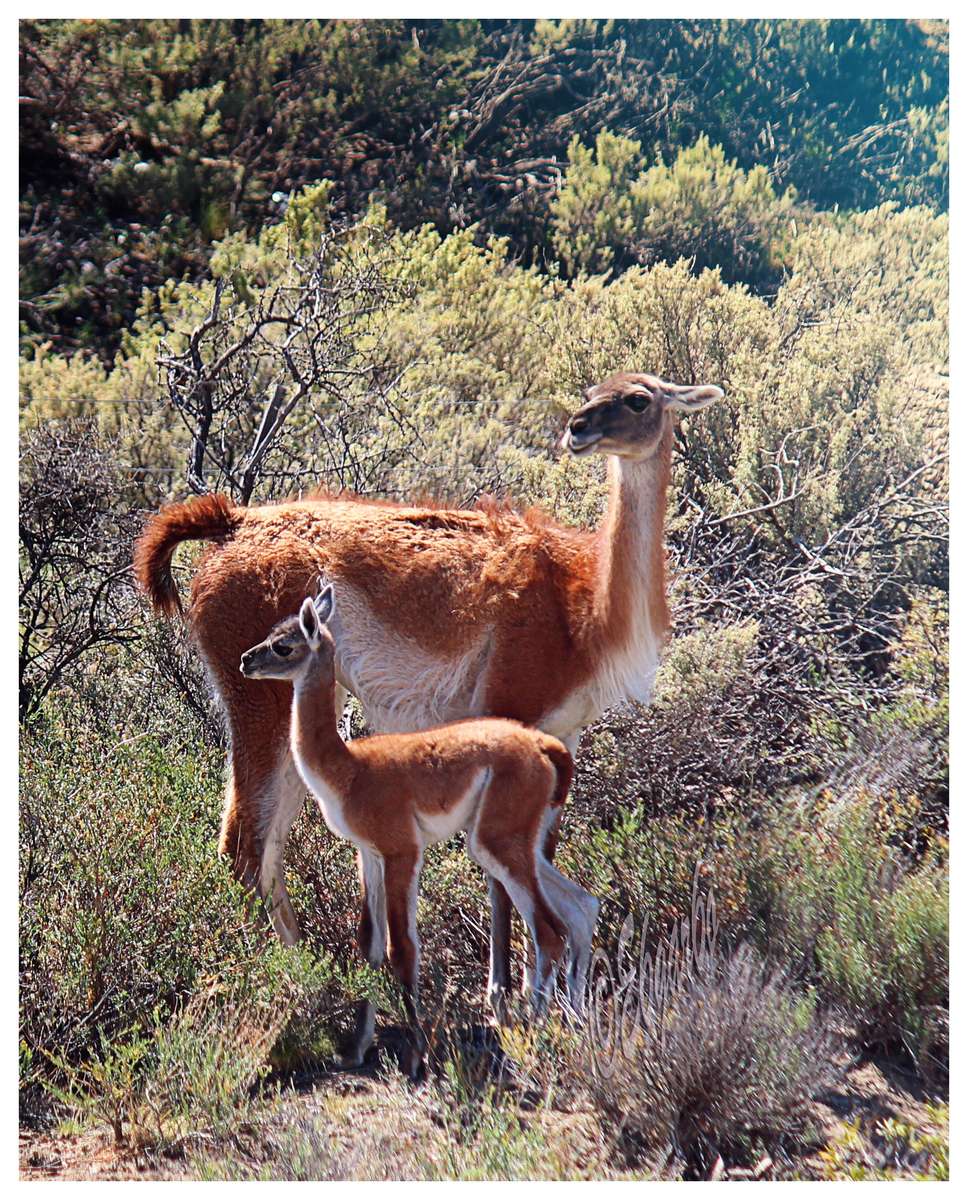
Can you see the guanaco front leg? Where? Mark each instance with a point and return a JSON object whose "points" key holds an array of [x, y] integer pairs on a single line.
{"points": [[402, 875], [372, 942]]}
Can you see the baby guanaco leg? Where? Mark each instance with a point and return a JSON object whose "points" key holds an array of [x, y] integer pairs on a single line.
{"points": [[499, 974], [372, 941], [508, 853], [578, 912], [402, 875], [576, 909]]}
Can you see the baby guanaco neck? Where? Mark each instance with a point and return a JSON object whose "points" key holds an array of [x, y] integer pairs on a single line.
{"points": [[315, 730]]}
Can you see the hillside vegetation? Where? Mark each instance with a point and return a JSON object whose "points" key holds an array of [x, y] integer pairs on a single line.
{"points": [[463, 224]]}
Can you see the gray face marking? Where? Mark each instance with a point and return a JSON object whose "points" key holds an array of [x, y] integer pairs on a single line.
{"points": [[280, 656]]}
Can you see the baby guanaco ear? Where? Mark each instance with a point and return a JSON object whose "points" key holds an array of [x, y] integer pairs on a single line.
{"points": [[309, 622], [688, 397], [325, 603]]}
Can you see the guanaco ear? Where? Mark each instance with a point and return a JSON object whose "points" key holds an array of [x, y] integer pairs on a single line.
{"points": [[325, 602], [309, 622], [688, 397]]}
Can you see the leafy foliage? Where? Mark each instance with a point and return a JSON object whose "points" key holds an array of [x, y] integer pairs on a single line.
{"points": [[700, 207], [398, 281], [142, 141]]}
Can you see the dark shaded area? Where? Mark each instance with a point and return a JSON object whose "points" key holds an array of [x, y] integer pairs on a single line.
{"points": [[142, 141]]}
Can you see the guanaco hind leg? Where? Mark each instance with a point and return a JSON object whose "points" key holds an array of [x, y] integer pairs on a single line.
{"points": [[263, 796], [282, 804], [512, 862], [279, 805], [264, 793], [578, 912], [499, 981], [499, 972], [576, 909]]}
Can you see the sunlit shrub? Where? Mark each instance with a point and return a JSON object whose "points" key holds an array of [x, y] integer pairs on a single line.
{"points": [[726, 1064], [612, 210]]}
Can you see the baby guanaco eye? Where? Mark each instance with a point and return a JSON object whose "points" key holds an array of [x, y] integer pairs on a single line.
{"points": [[638, 401], [281, 649]]}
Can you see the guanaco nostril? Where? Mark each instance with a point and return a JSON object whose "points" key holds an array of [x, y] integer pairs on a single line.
{"points": [[577, 424]]}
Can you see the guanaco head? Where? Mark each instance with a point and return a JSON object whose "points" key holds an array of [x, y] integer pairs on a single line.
{"points": [[628, 414], [294, 643]]}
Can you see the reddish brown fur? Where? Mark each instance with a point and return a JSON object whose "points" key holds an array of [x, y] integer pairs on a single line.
{"points": [[388, 793], [207, 518], [536, 582], [386, 778]]}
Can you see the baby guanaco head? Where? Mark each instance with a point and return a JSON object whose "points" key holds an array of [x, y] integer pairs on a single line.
{"points": [[295, 643], [628, 414]]}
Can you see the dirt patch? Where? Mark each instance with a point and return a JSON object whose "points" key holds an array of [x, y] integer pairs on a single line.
{"points": [[874, 1092], [89, 1155]]}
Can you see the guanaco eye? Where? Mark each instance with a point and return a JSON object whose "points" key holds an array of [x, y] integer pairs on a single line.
{"points": [[281, 649], [638, 402]]}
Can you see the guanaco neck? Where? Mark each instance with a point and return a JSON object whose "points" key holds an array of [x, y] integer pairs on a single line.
{"points": [[631, 584], [315, 733]]}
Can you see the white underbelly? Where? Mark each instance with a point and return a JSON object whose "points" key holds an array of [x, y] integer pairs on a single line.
{"points": [[628, 676], [402, 687], [438, 827]]}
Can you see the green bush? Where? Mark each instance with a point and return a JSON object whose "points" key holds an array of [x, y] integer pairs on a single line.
{"points": [[128, 917], [145, 140], [699, 207], [852, 912], [124, 904]]}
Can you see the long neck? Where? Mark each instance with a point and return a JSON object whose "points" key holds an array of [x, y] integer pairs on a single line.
{"points": [[631, 586], [315, 732]]}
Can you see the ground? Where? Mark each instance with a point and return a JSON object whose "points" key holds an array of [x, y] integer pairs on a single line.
{"points": [[373, 1123]]}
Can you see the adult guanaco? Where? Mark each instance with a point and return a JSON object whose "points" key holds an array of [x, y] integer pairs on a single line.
{"points": [[443, 614], [394, 795]]}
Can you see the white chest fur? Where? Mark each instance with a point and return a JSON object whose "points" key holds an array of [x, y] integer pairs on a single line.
{"points": [[400, 685], [330, 803], [627, 675]]}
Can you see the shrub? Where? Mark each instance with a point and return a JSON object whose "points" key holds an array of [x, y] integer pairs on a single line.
{"points": [[850, 910], [123, 904], [143, 140], [594, 214], [729, 1058], [188, 1080], [700, 207], [128, 915], [74, 553]]}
